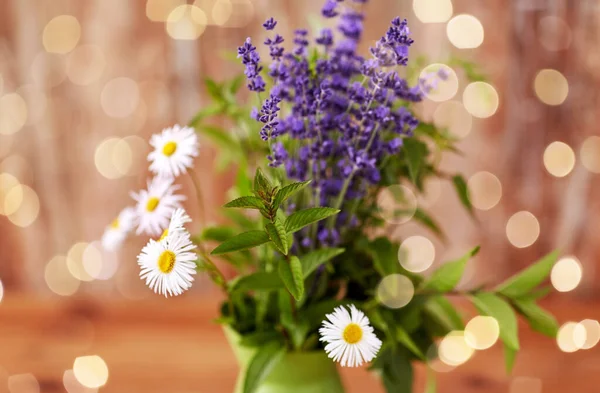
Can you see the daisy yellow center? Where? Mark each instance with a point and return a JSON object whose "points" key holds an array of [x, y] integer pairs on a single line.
{"points": [[115, 224], [164, 234], [166, 261], [352, 333], [152, 204], [169, 148]]}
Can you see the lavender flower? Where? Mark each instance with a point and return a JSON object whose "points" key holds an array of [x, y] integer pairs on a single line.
{"points": [[251, 59]]}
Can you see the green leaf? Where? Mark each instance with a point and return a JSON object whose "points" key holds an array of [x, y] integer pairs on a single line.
{"points": [[246, 202], [287, 192], [539, 319], [213, 89], [261, 365], [242, 241], [278, 235], [302, 218], [258, 339], [404, 338], [430, 386], [384, 254], [447, 276], [206, 112], [315, 258], [396, 369], [236, 83], [444, 313], [460, 185], [494, 306], [509, 358], [220, 137], [537, 293], [262, 185], [429, 222], [259, 281], [522, 283], [218, 233], [291, 275], [416, 155]]}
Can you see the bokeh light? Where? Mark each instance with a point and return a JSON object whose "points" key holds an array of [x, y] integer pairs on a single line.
{"points": [[61, 34], [554, 33], [434, 362], [522, 229], [559, 159], [571, 337], [485, 190], [186, 22], [416, 254], [482, 332], [433, 11], [395, 291], [72, 385], [159, 10], [90, 371], [396, 204], [590, 154], [95, 265], [113, 158], [58, 277], [481, 99], [465, 31], [229, 13], [75, 262], [592, 333], [7, 183], [86, 64], [139, 149], [13, 113], [23, 383], [48, 69], [454, 350], [438, 82], [454, 117], [28, 205], [221, 12], [551, 87], [120, 97], [566, 274]]}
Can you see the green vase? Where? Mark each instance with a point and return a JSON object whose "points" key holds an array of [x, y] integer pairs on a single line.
{"points": [[297, 372]]}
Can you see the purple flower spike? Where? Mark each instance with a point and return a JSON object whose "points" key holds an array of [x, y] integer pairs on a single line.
{"points": [[270, 24]]}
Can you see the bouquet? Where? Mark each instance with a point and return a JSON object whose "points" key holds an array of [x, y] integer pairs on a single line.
{"points": [[328, 160]]}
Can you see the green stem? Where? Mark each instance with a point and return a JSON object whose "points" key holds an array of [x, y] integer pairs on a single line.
{"points": [[198, 189], [340, 200]]}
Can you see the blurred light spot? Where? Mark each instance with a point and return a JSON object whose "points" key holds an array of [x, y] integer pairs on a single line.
{"points": [[73, 386], [90, 371], [36, 102], [526, 385], [434, 361], [23, 383], [396, 204], [13, 199], [221, 12], [559, 159], [465, 31], [113, 158], [485, 190], [416, 254], [433, 11], [551, 87], [242, 12], [95, 265], [13, 113], [438, 82], [28, 209], [159, 10], [1, 291], [395, 291], [482, 332], [186, 22], [566, 274], [571, 337], [139, 151], [120, 97], [48, 70], [452, 116], [453, 349], [7, 183], [554, 33], [75, 262], [58, 277], [86, 64], [481, 99], [522, 229], [592, 336], [590, 154], [61, 34], [17, 166]]}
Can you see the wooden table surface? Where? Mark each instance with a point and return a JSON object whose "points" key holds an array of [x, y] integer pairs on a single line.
{"points": [[163, 346]]}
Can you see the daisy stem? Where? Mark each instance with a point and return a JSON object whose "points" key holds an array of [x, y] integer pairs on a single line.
{"points": [[195, 180]]}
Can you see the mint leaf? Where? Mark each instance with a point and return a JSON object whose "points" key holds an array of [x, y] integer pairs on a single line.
{"points": [[261, 365], [492, 305], [242, 241], [302, 218], [539, 319], [278, 235], [259, 281], [524, 282], [460, 185], [313, 259], [246, 202], [287, 192], [447, 276], [291, 275]]}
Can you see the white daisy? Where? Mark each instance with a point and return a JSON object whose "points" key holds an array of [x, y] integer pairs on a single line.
{"points": [[178, 219], [174, 151], [350, 338], [156, 205], [116, 233], [168, 266]]}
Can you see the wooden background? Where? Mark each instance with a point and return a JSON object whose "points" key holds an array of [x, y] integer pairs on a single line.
{"points": [[150, 344]]}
